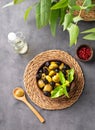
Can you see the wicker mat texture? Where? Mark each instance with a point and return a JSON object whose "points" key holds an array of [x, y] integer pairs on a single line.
{"points": [[36, 94]]}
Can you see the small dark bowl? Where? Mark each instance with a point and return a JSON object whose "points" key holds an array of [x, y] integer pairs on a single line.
{"points": [[88, 53]]}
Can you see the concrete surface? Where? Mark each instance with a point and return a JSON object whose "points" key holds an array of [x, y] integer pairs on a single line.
{"points": [[15, 115]]}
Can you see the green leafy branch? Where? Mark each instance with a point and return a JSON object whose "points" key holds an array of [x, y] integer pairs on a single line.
{"points": [[58, 12], [62, 89]]}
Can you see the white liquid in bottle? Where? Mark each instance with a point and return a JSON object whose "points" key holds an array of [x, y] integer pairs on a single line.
{"points": [[18, 42]]}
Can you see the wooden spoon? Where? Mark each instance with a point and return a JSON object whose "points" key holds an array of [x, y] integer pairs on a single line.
{"points": [[19, 94]]}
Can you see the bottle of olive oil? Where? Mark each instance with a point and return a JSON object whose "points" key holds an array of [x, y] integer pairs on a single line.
{"points": [[18, 42]]}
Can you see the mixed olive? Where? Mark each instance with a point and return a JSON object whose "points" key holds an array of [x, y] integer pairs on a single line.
{"points": [[48, 77]]}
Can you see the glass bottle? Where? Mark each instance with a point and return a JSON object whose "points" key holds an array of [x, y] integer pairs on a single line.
{"points": [[18, 42]]}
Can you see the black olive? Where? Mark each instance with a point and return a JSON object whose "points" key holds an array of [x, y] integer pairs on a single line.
{"points": [[68, 89], [40, 71], [47, 63], [46, 93], [58, 62], [66, 67], [45, 71], [45, 81], [57, 70], [52, 84], [63, 71], [38, 76]]}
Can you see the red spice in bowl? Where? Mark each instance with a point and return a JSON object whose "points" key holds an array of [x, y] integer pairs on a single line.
{"points": [[84, 53]]}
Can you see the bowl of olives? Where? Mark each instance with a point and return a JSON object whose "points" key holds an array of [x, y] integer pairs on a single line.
{"points": [[53, 80]]}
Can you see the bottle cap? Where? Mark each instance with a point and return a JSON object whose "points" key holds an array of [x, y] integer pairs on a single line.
{"points": [[11, 36]]}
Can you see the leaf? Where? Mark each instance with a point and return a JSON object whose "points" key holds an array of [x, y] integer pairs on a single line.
{"points": [[77, 19], [65, 91], [38, 18], [9, 4], [73, 30], [45, 11], [57, 92], [27, 12], [67, 20], [70, 76], [92, 30], [90, 36], [60, 4], [62, 15], [76, 7], [18, 1], [72, 2], [54, 14], [87, 2], [62, 77]]}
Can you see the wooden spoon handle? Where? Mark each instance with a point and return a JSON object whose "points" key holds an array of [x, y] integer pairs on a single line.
{"points": [[34, 111]]}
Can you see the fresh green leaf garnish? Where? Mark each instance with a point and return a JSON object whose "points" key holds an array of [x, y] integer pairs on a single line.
{"points": [[62, 89], [70, 76], [57, 92], [62, 78], [27, 12]]}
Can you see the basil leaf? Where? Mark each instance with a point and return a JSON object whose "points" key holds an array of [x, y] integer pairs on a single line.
{"points": [[57, 92], [89, 31], [18, 1], [65, 91], [54, 14], [70, 76], [67, 20], [62, 77], [90, 36], [27, 12], [73, 30], [60, 4]]}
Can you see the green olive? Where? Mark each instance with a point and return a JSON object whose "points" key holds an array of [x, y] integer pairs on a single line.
{"points": [[57, 84], [55, 78], [53, 65], [43, 75], [48, 78], [19, 93], [51, 73], [47, 87], [61, 66], [41, 84]]}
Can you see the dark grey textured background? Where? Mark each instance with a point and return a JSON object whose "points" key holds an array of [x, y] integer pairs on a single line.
{"points": [[15, 115]]}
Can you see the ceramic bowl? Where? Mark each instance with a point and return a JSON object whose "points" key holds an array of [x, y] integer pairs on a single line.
{"points": [[84, 53]]}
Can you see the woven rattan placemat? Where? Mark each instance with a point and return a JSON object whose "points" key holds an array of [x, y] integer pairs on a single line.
{"points": [[36, 94]]}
